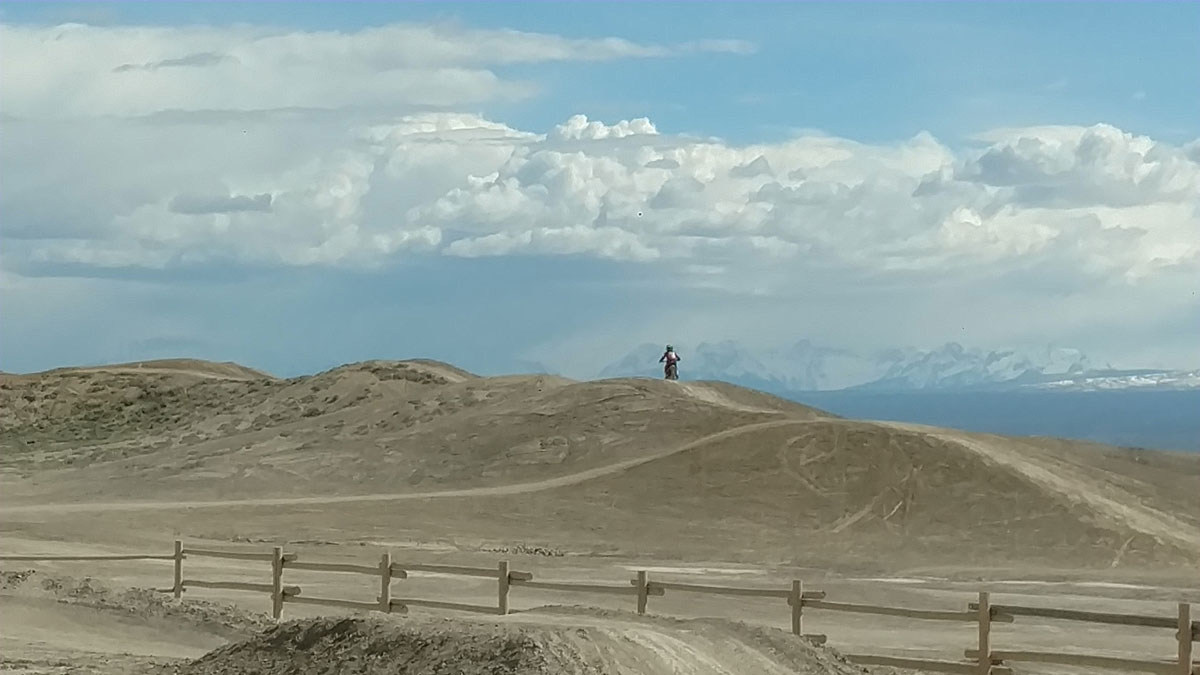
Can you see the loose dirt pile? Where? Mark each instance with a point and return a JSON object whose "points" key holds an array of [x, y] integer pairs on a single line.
{"points": [[599, 644]]}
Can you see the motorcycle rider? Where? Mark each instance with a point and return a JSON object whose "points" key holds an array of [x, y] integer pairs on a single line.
{"points": [[671, 358]]}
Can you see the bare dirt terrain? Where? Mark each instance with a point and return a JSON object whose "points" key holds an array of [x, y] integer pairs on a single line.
{"points": [[556, 643], [63, 624], [576, 481]]}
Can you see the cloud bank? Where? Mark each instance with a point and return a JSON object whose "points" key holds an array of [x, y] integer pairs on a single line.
{"points": [[165, 149], [1089, 205]]}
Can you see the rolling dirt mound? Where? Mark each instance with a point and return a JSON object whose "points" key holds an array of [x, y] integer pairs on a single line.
{"points": [[721, 468], [723, 395], [226, 370], [574, 645], [444, 370], [856, 487], [364, 428], [78, 417], [1109, 503]]}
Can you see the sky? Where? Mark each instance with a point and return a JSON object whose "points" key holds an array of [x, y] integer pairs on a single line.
{"points": [[505, 186]]}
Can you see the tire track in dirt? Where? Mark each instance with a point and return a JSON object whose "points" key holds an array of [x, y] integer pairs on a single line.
{"points": [[1125, 510], [500, 490], [701, 392]]}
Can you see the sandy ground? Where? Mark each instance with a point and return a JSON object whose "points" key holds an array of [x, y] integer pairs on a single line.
{"points": [[54, 623], [688, 481], [37, 631]]}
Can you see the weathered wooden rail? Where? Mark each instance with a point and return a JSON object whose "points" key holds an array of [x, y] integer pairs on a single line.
{"points": [[981, 659]]}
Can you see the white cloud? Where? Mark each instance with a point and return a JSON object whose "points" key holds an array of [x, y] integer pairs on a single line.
{"points": [[1085, 166], [75, 70], [578, 127], [1094, 204], [165, 148]]}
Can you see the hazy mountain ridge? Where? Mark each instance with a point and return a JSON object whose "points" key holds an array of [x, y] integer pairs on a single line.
{"points": [[805, 366]]}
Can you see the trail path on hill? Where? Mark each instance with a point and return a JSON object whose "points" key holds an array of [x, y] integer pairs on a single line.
{"points": [[512, 489], [1121, 507], [709, 395]]}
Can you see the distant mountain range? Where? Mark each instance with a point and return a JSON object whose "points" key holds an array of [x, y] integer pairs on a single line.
{"points": [[807, 367]]}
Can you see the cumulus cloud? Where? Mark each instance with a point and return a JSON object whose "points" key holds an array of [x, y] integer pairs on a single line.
{"points": [[578, 127], [1093, 204], [200, 145], [1085, 166]]}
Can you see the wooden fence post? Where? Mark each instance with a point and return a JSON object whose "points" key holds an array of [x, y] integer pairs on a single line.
{"points": [[277, 582], [502, 587], [385, 582], [643, 591], [797, 602], [1185, 639], [985, 633], [178, 587]]}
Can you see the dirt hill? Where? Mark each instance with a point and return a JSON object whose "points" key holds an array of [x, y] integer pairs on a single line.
{"points": [[368, 427], [712, 468], [594, 643], [856, 490]]}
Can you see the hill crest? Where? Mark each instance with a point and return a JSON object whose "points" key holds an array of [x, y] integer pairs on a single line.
{"points": [[691, 452]]}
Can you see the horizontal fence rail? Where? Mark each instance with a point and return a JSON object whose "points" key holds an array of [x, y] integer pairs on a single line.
{"points": [[94, 558], [455, 570], [1095, 617], [239, 586], [781, 593], [229, 555], [908, 613], [339, 567], [574, 587], [981, 660]]}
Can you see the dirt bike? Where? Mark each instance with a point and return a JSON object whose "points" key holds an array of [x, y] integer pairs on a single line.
{"points": [[672, 371]]}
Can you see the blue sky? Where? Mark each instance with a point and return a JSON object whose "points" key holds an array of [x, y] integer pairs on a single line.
{"points": [[999, 174], [870, 71]]}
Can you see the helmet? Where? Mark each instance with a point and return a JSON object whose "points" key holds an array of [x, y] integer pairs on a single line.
{"points": [[670, 348]]}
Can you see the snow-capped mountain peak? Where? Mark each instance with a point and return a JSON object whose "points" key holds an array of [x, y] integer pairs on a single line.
{"points": [[805, 366], [953, 366]]}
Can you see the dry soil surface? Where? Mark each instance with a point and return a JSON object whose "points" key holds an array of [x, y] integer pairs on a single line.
{"points": [[579, 481], [576, 643]]}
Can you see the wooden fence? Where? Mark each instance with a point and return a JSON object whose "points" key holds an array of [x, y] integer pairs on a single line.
{"points": [[982, 659]]}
